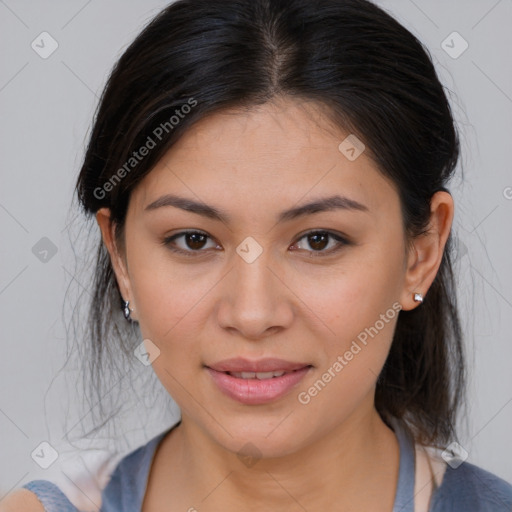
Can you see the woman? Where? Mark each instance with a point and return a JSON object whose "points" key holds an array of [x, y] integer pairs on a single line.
{"points": [[269, 180]]}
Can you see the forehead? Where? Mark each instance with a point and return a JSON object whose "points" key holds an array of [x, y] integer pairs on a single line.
{"points": [[281, 132], [280, 151]]}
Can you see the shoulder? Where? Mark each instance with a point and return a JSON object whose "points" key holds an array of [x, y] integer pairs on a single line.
{"points": [[21, 500], [127, 484], [37, 496], [132, 466], [472, 489]]}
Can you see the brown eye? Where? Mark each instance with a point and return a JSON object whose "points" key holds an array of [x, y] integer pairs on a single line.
{"points": [[318, 241], [190, 242], [195, 240]]}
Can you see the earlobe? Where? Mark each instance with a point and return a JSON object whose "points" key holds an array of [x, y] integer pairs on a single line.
{"points": [[426, 252]]}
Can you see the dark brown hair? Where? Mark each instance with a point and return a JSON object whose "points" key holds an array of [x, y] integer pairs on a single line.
{"points": [[374, 78]]}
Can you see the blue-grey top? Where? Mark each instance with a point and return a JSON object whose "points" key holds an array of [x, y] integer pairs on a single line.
{"points": [[467, 488]]}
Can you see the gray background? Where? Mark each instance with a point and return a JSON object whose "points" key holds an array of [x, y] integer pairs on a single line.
{"points": [[47, 107]]}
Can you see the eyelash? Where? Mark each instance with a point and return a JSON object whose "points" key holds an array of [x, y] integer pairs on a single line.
{"points": [[194, 253]]}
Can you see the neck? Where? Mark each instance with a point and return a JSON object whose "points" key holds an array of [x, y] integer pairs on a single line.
{"points": [[359, 455]]}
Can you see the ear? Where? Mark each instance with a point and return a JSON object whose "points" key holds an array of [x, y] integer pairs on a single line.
{"points": [[426, 251], [119, 266]]}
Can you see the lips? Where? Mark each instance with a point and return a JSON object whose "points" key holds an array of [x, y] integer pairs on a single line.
{"points": [[257, 382]]}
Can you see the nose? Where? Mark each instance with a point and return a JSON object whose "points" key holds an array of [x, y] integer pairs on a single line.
{"points": [[255, 302]]}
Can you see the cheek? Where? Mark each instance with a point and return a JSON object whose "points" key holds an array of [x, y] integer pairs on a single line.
{"points": [[351, 296], [361, 320], [165, 293], [166, 302], [171, 307], [358, 305]]}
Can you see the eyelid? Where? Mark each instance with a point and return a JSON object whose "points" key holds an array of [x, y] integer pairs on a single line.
{"points": [[341, 239], [168, 239]]}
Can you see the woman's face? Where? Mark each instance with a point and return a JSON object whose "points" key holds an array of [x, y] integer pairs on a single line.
{"points": [[254, 285]]}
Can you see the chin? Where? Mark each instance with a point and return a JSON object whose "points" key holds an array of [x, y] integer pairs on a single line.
{"points": [[260, 439]]}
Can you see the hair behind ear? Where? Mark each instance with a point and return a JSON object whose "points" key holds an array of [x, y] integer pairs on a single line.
{"points": [[423, 377]]}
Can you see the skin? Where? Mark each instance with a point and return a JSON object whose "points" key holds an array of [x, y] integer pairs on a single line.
{"points": [[291, 302]]}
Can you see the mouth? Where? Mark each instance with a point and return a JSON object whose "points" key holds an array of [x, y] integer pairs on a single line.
{"points": [[258, 387], [259, 375], [239, 365]]}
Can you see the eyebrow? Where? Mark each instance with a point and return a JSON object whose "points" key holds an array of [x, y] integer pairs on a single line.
{"points": [[331, 203]]}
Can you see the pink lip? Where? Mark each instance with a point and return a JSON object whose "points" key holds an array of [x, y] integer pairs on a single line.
{"points": [[255, 391], [239, 364]]}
